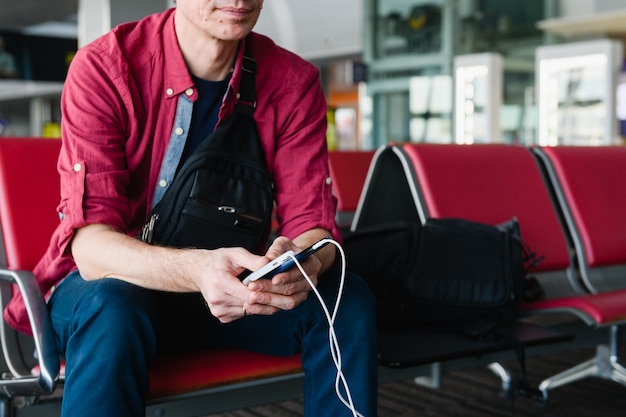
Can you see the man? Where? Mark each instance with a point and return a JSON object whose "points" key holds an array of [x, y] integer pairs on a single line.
{"points": [[115, 302]]}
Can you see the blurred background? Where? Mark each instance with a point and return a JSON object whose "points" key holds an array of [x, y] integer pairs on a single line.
{"points": [[446, 71]]}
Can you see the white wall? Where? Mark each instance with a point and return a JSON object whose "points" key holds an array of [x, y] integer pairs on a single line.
{"points": [[314, 29], [579, 8], [96, 17]]}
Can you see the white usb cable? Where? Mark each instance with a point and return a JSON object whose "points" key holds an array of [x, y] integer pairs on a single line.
{"points": [[340, 380]]}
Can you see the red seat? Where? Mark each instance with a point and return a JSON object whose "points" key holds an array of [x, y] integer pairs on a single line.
{"points": [[597, 309], [29, 187], [590, 182], [485, 183], [29, 194], [178, 374], [348, 170], [491, 184], [590, 188]]}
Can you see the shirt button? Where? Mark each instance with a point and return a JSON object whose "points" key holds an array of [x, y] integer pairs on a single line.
{"points": [[179, 131], [169, 91], [329, 180], [162, 183], [189, 91], [77, 167]]}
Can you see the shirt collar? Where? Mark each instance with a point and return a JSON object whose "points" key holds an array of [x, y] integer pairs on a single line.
{"points": [[177, 79]]}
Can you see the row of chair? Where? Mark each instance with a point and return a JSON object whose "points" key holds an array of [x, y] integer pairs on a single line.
{"points": [[570, 204], [410, 182]]}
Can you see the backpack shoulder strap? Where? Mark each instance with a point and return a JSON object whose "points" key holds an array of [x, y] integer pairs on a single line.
{"points": [[247, 85]]}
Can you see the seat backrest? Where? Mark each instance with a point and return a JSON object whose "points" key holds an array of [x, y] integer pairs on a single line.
{"points": [[387, 196], [348, 170], [590, 185], [489, 183], [29, 195]]}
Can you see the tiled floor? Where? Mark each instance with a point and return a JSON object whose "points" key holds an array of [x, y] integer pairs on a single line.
{"points": [[475, 393]]}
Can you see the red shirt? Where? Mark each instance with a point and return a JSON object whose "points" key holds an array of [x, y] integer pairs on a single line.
{"points": [[118, 107]]}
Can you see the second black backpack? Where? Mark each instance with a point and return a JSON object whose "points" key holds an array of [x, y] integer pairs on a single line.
{"points": [[456, 273]]}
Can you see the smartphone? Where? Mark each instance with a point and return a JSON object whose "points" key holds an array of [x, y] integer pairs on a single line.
{"points": [[283, 263]]}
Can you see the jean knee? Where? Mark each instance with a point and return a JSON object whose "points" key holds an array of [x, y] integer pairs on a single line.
{"points": [[118, 298], [125, 313], [359, 293], [357, 305]]}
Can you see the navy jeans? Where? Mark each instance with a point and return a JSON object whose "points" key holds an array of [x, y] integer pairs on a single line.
{"points": [[109, 331]]}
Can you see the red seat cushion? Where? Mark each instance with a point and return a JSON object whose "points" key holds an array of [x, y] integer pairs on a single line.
{"points": [[604, 309], [188, 372], [183, 373]]}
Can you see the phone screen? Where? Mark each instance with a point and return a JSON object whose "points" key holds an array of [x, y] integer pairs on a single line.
{"points": [[283, 263]]}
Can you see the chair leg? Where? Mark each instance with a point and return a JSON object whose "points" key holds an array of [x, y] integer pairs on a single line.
{"points": [[584, 370], [504, 374], [604, 365], [618, 372], [6, 409], [433, 380]]}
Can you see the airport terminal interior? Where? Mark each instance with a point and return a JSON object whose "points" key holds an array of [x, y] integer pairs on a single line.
{"points": [[523, 73]]}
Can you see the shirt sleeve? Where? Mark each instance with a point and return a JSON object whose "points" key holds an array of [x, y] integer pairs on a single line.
{"points": [[301, 173], [94, 174]]}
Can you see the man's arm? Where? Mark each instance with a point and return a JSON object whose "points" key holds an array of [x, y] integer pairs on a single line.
{"points": [[101, 252]]}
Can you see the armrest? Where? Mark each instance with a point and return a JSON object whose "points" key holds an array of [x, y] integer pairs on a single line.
{"points": [[43, 337]]}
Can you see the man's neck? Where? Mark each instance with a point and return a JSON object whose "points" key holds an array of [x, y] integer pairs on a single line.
{"points": [[207, 58]]}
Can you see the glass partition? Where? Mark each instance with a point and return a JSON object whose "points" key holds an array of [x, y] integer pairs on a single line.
{"points": [[478, 98], [576, 89], [410, 46]]}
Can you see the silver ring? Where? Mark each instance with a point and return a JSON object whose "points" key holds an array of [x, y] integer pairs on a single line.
{"points": [[245, 313]]}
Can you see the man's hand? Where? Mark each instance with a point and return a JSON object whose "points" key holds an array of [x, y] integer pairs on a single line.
{"points": [[285, 290], [228, 299]]}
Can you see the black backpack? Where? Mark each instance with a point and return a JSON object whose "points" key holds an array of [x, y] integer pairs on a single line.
{"points": [[222, 196], [464, 275]]}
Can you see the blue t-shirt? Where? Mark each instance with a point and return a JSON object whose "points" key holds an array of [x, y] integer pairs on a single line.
{"points": [[205, 112]]}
